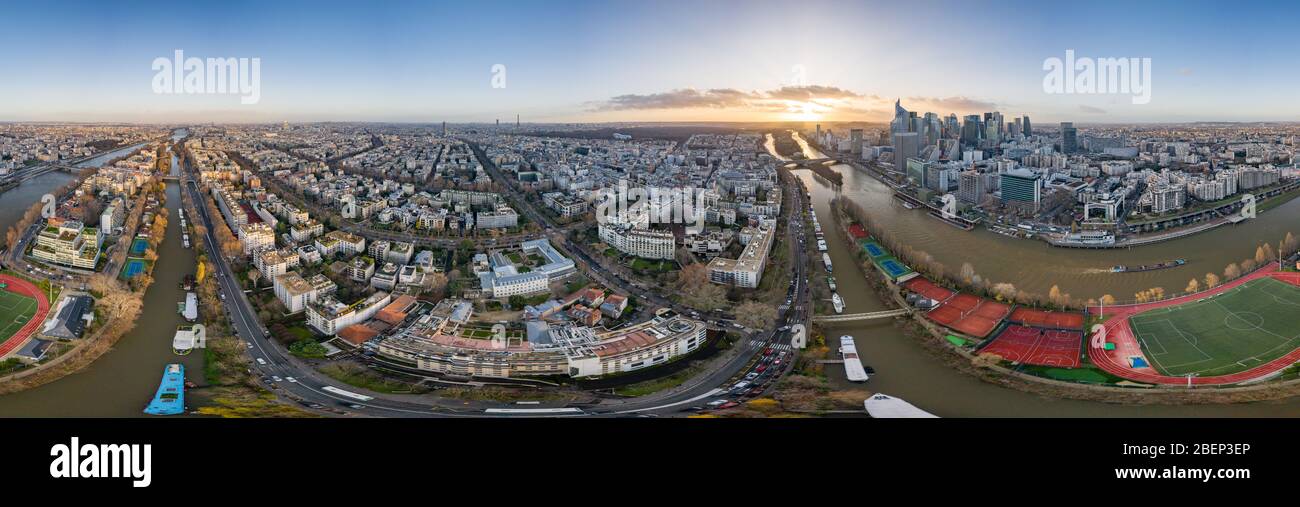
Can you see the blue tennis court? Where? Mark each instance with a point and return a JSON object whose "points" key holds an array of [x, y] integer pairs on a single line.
{"points": [[139, 246], [894, 268], [873, 250], [133, 268]]}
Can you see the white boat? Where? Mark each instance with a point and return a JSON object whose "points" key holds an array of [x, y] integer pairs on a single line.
{"points": [[826, 258], [190, 308], [838, 302], [821, 245], [188, 338], [852, 363], [881, 406]]}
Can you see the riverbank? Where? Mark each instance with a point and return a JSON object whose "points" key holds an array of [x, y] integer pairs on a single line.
{"points": [[932, 338]]}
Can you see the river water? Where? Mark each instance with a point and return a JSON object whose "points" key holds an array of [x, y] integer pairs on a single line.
{"points": [[122, 381], [905, 369]]}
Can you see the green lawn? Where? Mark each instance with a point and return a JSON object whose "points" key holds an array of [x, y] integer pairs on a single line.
{"points": [[15, 311], [1235, 331]]}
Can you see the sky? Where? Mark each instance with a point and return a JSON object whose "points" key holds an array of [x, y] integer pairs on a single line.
{"points": [[660, 60]]}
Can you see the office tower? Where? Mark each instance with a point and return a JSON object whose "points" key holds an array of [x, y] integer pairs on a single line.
{"points": [[970, 130], [855, 141], [1069, 138], [1028, 129], [906, 145], [901, 123], [444, 129], [1021, 186]]}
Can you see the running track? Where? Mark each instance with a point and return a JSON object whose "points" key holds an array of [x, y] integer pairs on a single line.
{"points": [[1119, 332], [25, 288]]}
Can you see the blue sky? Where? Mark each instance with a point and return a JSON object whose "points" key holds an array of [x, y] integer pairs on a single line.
{"points": [[567, 61]]}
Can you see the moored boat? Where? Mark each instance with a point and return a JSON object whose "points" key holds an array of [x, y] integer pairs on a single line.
{"points": [[882, 406], [170, 398], [853, 369], [838, 302]]}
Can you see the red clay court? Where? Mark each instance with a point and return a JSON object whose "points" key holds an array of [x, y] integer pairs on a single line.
{"points": [[1027, 345], [857, 231], [1041, 318], [928, 289], [26, 289]]}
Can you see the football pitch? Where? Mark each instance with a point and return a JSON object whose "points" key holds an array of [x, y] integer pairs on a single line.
{"points": [[15, 311], [1231, 332]]}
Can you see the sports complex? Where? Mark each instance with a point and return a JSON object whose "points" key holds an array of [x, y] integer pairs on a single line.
{"points": [[22, 309], [1240, 331]]}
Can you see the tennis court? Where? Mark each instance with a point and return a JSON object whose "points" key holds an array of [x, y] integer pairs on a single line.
{"points": [[1027, 345], [1043, 318], [139, 246], [873, 250], [928, 289], [893, 268], [133, 267]]}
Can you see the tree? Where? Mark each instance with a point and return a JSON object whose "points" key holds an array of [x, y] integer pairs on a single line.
{"points": [[968, 273], [755, 315], [1290, 244], [1211, 280], [696, 289], [517, 302], [1192, 286], [1231, 272], [1108, 300], [1004, 291]]}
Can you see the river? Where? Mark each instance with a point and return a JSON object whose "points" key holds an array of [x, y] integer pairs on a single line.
{"points": [[905, 369], [122, 381]]}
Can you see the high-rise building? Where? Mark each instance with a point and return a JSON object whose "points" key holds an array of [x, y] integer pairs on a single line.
{"points": [[1069, 137], [970, 130], [1028, 129], [901, 121], [971, 187], [906, 145], [1021, 186], [855, 141]]}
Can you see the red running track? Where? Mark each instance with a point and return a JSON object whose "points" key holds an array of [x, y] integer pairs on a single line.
{"points": [[1121, 334], [24, 287]]}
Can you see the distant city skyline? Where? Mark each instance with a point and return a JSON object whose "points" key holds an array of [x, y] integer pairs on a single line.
{"points": [[647, 61]]}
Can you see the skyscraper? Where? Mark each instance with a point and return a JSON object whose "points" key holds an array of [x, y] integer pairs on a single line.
{"points": [[1069, 137], [901, 121], [906, 145], [1028, 129]]}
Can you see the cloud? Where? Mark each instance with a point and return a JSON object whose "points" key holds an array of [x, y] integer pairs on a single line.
{"points": [[953, 104], [685, 98], [810, 93], [1092, 110], [691, 98]]}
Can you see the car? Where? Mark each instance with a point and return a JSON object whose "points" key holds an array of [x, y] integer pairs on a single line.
{"points": [[276, 378], [728, 404], [261, 361], [291, 379], [767, 351], [751, 376], [718, 403], [761, 368]]}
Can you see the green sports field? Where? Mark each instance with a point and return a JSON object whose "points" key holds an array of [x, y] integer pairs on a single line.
{"points": [[15, 311], [1234, 331]]}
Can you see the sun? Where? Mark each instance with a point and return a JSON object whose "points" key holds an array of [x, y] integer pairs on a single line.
{"points": [[804, 110]]}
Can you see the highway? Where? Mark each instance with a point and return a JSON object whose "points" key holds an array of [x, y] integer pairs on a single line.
{"points": [[302, 384]]}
